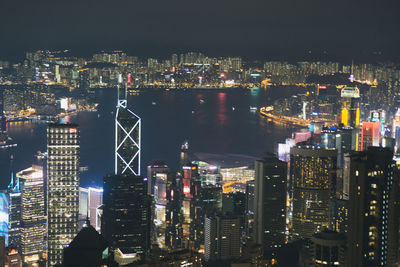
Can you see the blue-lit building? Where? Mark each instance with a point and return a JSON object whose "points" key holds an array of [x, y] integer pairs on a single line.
{"points": [[4, 215]]}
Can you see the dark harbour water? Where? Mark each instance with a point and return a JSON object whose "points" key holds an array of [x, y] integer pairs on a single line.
{"points": [[212, 121]]}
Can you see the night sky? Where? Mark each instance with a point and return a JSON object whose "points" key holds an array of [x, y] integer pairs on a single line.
{"points": [[253, 29]]}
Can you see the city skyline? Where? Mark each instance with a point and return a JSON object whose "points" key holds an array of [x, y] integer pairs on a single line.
{"points": [[172, 133]]}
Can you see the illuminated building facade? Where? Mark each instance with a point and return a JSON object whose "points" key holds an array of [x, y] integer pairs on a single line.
{"points": [[201, 196], [339, 215], [174, 219], [350, 112], [270, 203], [370, 134], [63, 188], [396, 128], [127, 136], [190, 180], [14, 232], [250, 202], [126, 206], [159, 189], [4, 216], [90, 199], [312, 176], [14, 213], [222, 238], [126, 213], [157, 167], [328, 249], [371, 178], [32, 213]]}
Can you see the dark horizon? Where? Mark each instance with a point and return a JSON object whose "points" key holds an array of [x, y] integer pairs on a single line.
{"points": [[254, 30]]}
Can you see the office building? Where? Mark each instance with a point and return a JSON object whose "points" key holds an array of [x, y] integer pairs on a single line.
{"points": [[159, 198], [63, 188], [222, 238], [350, 112], [313, 182], [174, 217], [328, 249], [127, 136], [32, 226], [126, 213], [14, 213], [250, 208], [189, 182], [13, 258], [4, 216], [370, 134], [371, 178], [175, 257], [157, 168], [270, 202], [90, 199]]}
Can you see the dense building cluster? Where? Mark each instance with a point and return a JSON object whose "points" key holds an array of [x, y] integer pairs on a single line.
{"points": [[330, 197], [186, 70]]}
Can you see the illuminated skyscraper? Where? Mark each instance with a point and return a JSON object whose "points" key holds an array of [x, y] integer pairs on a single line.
{"points": [[370, 134], [350, 113], [188, 187], [127, 136], [157, 169], [90, 199], [222, 238], [371, 178], [312, 176], [14, 221], [126, 213], [396, 125], [157, 180], [63, 188], [174, 218], [14, 211], [32, 213], [125, 222], [270, 203]]}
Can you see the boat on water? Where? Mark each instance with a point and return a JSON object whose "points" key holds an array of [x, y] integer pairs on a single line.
{"points": [[253, 109]]}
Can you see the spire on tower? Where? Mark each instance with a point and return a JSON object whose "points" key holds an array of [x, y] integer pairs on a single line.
{"points": [[122, 99]]}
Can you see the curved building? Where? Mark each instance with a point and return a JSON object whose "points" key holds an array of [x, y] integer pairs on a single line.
{"points": [[312, 177], [329, 248]]}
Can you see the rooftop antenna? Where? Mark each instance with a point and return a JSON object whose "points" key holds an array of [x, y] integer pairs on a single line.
{"points": [[11, 185], [351, 71], [122, 102], [87, 212]]}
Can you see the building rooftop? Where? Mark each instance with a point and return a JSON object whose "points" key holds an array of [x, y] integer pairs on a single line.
{"points": [[225, 160]]}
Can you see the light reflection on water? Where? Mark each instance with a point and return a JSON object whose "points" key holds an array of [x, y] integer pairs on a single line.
{"points": [[168, 118]]}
